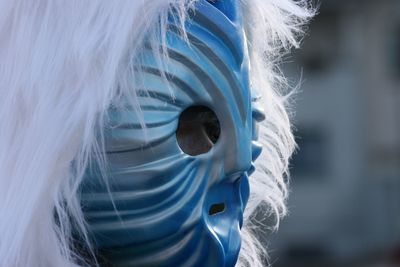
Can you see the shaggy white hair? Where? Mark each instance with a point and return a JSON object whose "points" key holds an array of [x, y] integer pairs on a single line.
{"points": [[62, 62]]}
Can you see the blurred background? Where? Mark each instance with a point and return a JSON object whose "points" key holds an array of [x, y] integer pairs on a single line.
{"points": [[345, 188]]}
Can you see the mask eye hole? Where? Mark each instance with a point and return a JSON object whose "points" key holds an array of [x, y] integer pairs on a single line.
{"points": [[198, 130]]}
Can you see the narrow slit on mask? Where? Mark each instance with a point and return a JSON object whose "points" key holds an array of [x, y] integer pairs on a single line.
{"points": [[217, 208]]}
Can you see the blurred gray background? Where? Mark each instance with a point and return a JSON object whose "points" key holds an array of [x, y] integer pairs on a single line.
{"points": [[345, 187]]}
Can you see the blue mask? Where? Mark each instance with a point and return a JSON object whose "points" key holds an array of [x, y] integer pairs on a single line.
{"points": [[177, 189]]}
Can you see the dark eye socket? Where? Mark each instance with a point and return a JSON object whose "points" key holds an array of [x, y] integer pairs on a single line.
{"points": [[198, 130]]}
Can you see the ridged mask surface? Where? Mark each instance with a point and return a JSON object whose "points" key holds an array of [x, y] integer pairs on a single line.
{"points": [[160, 205]]}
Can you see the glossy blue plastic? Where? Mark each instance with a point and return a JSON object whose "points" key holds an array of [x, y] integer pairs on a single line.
{"points": [[154, 209]]}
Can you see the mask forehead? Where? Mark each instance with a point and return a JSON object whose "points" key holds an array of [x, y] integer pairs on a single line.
{"points": [[156, 207]]}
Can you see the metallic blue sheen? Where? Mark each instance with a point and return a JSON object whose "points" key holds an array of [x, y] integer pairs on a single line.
{"points": [[154, 208]]}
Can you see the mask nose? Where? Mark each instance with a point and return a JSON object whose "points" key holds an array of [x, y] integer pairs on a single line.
{"points": [[238, 152], [242, 148]]}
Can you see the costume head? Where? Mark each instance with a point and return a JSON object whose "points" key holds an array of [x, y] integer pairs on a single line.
{"points": [[131, 130], [178, 186]]}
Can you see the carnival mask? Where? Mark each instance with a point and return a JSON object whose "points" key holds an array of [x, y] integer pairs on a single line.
{"points": [[177, 175]]}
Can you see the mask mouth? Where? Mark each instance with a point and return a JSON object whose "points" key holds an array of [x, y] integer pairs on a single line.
{"points": [[216, 209], [226, 202]]}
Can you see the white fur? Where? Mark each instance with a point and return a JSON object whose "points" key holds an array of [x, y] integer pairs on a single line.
{"points": [[61, 62], [272, 27]]}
